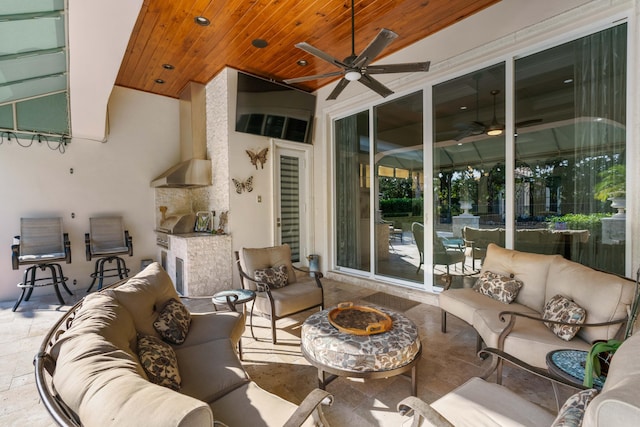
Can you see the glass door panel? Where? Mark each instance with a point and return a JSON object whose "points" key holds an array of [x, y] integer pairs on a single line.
{"points": [[399, 173], [468, 167], [570, 115]]}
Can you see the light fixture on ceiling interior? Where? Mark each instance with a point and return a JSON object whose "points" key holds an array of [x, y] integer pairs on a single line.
{"points": [[352, 75], [259, 43], [496, 128], [202, 21], [159, 81], [168, 66], [302, 63]]}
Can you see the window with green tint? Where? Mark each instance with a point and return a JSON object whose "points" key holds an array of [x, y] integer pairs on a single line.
{"points": [[6, 116], [45, 114]]}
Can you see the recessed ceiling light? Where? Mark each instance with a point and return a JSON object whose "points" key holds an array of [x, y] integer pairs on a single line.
{"points": [[168, 66], [159, 81], [463, 108], [303, 63], [259, 43], [567, 81], [201, 20]]}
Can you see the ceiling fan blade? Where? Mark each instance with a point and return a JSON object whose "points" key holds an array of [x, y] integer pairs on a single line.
{"points": [[526, 123], [320, 54], [409, 67], [314, 77], [338, 89], [375, 85], [376, 46]]}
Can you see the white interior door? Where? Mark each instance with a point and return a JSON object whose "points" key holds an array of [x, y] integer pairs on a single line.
{"points": [[291, 179]]}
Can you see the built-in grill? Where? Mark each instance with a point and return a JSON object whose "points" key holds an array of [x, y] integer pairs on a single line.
{"points": [[174, 224]]}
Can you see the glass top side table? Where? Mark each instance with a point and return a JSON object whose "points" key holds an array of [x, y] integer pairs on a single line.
{"points": [[569, 364]]}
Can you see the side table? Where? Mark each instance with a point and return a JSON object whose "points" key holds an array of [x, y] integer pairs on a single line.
{"points": [[232, 298], [569, 364]]}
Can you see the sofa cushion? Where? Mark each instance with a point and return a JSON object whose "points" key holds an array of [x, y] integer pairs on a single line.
{"points": [[159, 362], [604, 296], [618, 403], [144, 295], [501, 288], [531, 269], [210, 370], [561, 309], [463, 303], [214, 325], [263, 408], [276, 277], [252, 259], [173, 322], [530, 340], [291, 299], [572, 411], [489, 404]]}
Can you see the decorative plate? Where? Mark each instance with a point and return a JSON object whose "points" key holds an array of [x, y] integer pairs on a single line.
{"points": [[359, 320]]}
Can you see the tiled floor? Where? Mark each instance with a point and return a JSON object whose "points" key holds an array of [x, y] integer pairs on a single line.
{"points": [[447, 361]]}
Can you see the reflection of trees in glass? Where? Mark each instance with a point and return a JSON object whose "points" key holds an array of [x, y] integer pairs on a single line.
{"points": [[612, 183], [395, 188]]}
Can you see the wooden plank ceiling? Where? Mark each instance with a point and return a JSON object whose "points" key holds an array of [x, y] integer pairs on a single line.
{"points": [[165, 33]]}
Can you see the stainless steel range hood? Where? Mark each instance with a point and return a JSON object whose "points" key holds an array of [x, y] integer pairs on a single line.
{"points": [[195, 169]]}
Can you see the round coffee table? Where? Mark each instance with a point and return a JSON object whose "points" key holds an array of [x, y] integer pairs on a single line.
{"points": [[361, 356]]}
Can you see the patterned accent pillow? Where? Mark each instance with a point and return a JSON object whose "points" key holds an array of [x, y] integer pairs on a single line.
{"points": [[572, 412], [173, 322], [159, 361], [275, 277], [501, 288], [560, 308]]}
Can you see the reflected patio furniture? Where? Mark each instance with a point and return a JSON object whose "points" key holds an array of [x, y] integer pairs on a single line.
{"points": [[477, 240], [300, 294], [442, 255], [41, 244], [106, 241]]}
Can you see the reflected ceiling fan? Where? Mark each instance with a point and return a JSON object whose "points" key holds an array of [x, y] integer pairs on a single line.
{"points": [[356, 67]]}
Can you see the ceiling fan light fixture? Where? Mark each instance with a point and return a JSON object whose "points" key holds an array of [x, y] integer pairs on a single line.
{"points": [[495, 130], [352, 75]]}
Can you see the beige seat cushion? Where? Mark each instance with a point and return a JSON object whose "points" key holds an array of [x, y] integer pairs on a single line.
{"points": [[604, 296], [144, 295], [529, 341], [463, 303], [212, 326], [250, 405], [291, 298], [210, 370], [478, 403], [531, 269]]}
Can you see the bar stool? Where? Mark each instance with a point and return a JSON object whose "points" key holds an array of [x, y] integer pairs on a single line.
{"points": [[107, 240], [41, 244]]}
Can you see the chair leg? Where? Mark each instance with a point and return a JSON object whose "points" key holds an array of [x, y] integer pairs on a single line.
{"points": [[443, 321], [55, 280], [62, 279], [30, 278], [101, 272], [273, 329], [251, 322], [94, 275]]}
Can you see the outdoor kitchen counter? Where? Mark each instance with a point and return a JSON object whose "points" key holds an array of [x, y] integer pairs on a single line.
{"points": [[200, 264]]}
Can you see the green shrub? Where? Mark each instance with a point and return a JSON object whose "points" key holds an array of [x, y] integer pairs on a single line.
{"points": [[578, 221]]}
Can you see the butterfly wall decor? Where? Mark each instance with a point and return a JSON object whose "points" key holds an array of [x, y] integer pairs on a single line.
{"points": [[260, 157], [243, 185]]}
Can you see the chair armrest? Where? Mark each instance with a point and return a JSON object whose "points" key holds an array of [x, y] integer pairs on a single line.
{"points": [[420, 409], [129, 242], [67, 247], [15, 254], [310, 406], [316, 274], [261, 286], [87, 246], [543, 373]]}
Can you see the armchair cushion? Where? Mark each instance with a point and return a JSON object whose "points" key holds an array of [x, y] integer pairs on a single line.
{"points": [[276, 277], [253, 259], [562, 309], [572, 412], [291, 299], [159, 362], [501, 288], [173, 322]]}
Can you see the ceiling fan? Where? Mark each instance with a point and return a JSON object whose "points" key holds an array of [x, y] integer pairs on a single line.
{"points": [[356, 67]]}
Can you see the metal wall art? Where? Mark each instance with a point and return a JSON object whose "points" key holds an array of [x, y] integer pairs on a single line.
{"points": [[243, 185], [260, 157]]}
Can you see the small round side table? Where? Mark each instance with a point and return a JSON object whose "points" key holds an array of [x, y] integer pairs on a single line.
{"points": [[232, 298]]}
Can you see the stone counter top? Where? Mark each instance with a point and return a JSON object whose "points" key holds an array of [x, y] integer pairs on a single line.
{"points": [[196, 234]]}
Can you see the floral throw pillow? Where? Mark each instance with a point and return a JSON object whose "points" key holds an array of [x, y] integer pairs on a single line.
{"points": [[159, 361], [562, 309], [572, 412], [275, 277], [173, 322], [501, 288]]}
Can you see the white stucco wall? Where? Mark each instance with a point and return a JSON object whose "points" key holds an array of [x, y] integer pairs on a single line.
{"points": [[108, 178]]}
